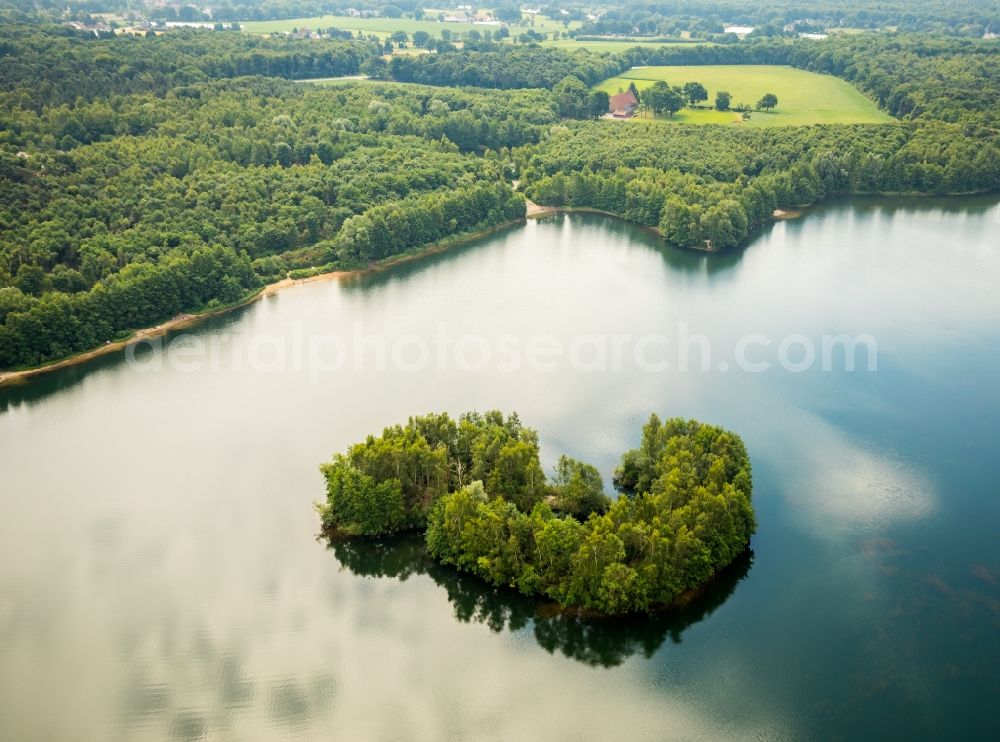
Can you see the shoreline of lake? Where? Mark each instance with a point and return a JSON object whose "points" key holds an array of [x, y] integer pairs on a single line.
{"points": [[533, 211], [188, 319]]}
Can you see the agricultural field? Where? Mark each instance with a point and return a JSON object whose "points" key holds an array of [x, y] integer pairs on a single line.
{"points": [[803, 97], [541, 24]]}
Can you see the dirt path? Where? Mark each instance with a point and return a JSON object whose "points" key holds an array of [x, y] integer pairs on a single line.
{"points": [[536, 210], [182, 321]]}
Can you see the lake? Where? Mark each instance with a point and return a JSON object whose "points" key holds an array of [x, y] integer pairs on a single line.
{"points": [[161, 576]]}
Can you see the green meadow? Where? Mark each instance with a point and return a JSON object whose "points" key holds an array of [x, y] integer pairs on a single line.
{"points": [[803, 97]]}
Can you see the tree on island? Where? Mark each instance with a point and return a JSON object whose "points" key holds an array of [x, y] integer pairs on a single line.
{"points": [[769, 101], [695, 93], [477, 487], [722, 100], [660, 97], [579, 488]]}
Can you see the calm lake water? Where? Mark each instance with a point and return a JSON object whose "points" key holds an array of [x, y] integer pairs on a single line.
{"points": [[160, 575]]}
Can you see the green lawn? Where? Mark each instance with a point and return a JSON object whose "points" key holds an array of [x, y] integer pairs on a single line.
{"points": [[541, 24], [803, 97]]}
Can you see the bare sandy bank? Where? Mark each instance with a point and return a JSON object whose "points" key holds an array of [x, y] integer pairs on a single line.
{"points": [[183, 321]]}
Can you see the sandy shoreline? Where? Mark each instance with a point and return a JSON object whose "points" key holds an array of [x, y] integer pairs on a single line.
{"points": [[182, 321], [179, 322]]}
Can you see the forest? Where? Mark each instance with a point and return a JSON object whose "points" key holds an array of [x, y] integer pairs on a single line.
{"points": [[52, 65], [695, 188], [770, 17], [141, 177], [477, 488], [285, 176]]}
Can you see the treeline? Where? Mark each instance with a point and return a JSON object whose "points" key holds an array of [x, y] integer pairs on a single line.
{"points": [[46, 65], [717, 189], [33, 331], [478, 487], [504, 66], [641, 17], [392, 228], [235, 116]]}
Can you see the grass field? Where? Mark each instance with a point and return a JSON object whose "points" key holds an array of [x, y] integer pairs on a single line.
{"points": [[803, 97]]}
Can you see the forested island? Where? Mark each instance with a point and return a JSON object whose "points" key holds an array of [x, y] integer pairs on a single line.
{"points": [[476, 487], [180, 172]]}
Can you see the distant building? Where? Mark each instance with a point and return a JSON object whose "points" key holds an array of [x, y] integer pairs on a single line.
{"points": [[738, 30], [94, 28], [623, 105]]}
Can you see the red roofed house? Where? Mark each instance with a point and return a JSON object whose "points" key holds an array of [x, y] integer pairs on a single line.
{"points": [[623, 105]]}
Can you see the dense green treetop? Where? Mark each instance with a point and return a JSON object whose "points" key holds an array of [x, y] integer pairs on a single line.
{"points": [[477, 487], [427, 458], [707, 17], [287, 175], [495, 65]]}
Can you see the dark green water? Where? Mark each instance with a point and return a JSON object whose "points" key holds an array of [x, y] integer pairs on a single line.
{"points": [[160, 575]]}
